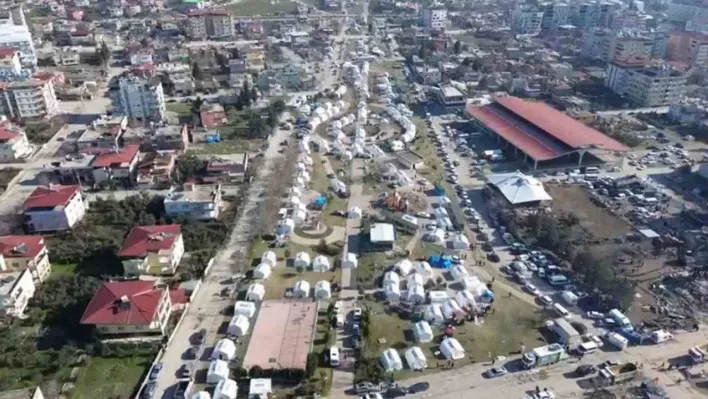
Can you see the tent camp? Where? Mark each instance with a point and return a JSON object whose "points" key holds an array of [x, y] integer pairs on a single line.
{"points": [[302, 260], [465, 299], [404, 267], [451, 309], [269, 258], [415, 279], [470, 282], [415, 294], [451, 349], [391, 360], [349, 261], [391, 278], [323, 290], [436, 237], [459, 272], [244, 308], [321, 264], [437, 296], [255, 292], [519, 188], [441, 213], [422, 331], [286, 226], [227, 389], [415, 358], [225, 349], [392, 292], [238, 325], [433, 314], [424, 269], [460, 241], [262, 272], [260, 388], [218, 370], [355, 213], [301, 289]]}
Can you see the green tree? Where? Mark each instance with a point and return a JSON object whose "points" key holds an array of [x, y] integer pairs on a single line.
{"points": [[197, 73], [458, 47], [423, 51]]}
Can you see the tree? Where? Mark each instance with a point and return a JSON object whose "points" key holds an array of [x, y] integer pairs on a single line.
{"points": [[103, 54], [197, 73], [458, 47], [312, 363], [423, 51]]}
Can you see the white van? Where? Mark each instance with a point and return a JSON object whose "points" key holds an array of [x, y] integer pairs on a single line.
{"points": [[562, 312], [334, 356], [340, 321], [587, 348]]}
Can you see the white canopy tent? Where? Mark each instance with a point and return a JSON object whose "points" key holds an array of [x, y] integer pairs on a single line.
{"points": [[392, 292], [465, 299], [262, 271], [451, 309], [225, 349], [238, 325], [321, 264], [286, 226], [422, 331], [255, 292], [437, 296], [355, 213], [437, 236], [459, 272], [460, 241], [201, 395], [415, 294], [301, 289], [415, 358], [404, 267], [433, 314], [391, 360], [391, 278], [302, 260], [451, 349], [218, 370], [245, 308], [519, 188], [424, 269], [227, 389], [415, 279], [269, 258], [350, 261], [323, 290]]}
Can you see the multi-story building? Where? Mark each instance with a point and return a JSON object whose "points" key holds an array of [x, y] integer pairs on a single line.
{"points": [[196, 202], [210, 24], [54, 208], [645, 84], [594, 13], [227, 171], [102, 133], [10, 60], [158, 137], [155, 170], [28, 99], [526, 21], [287, 76], [142, 56], [18, 253], [16, 290], [434, 18], [555, 15], [116, 164], [683, 11], [155, 250], [628, 19], [14, 33], [428, 75], [697, 25], [13, 142], [689, 47], [139, 98], [129, 308], [178, 76], [607, 45]]}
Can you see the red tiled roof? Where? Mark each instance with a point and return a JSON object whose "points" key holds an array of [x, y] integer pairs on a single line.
{"points": [[6, 133], [21, 246], [178, 296], [45, 197], [117, 159], [6, 51], [144, 239], [123, 302]]}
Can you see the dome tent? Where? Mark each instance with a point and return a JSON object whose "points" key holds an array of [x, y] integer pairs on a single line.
{"points": [[422, 331], [255, 292], [269, 258], [391, 360], [245, 308], [415, 358], [323, 290], [350, 261], [321, 264], [218, 370], [451, 349], [433, 314], [262, 271], [238, 326], [301, 289], [302, 260], [226, 389], [225, 349]]}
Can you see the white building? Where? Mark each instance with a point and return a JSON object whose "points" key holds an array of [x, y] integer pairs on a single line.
{"points": [[260, 388], [29, 99], [415, 358], [13, 142], [422, 331], [16, 289], [645, 85], [14, 33], [608, 45], [139, 98], [54, 208], [197, 202], [526, 21], [434, 18]]}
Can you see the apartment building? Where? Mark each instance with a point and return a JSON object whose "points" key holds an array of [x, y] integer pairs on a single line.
{"points": [[192, 201], [28, 99], [13, 142], [158, 137], [155, 250], [54, 208], [129, 308], [227, 171], [434, 18], [555, 15], [645, 84], [116, 164], [683, 11], [10, 61], [140, 98], [210, 24], [697, 25], [103, 133], [594, 13], [155, 170], [608, 45], [177, 75], [526, 21], [690, 48], [21, 252], [15, 34], [16, 290], [628, 19]]}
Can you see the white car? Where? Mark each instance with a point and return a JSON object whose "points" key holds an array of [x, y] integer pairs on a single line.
{"points": [[532, 289], [546, 300], [594, 315]]}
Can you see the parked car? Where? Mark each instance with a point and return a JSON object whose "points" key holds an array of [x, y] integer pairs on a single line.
{"points": [[418, 387], [594, 315], [337, 306], [532, 289], [149, 390], [496, 372], [546, 300], [366, 387], [585, 370], [156, 371]]}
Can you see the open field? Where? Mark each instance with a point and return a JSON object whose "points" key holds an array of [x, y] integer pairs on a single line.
{"points": [[262, 7], [111, 377], [598, 221]]}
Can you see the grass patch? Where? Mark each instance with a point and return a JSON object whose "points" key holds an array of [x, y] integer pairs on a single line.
{"points": [[183, 110], [40, 132], [111, 377], [372, 265], [300, 232], [320, 183], [63, 269], [263, 7], [236, 146], [6, 176]]}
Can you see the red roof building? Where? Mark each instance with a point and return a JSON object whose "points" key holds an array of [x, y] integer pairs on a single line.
{"points": [[152, 250], [129, 307], [123, 158], [25, 252], [539, 131], [50, 197], [54, 208]]}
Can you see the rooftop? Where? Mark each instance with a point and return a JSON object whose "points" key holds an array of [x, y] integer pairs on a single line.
{"points": [[123, 302], [117, 158], [8, 281], [193, 193], [382, 232], [21, 246], [144, 239], [451, 91], [50, 197], [519, 188]]}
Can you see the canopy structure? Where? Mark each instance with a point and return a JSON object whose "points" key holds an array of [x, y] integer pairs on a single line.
{"points": [[391, 360], [415, 294], [451, 349], [301, 289], [519, 188], [465, 299], [424, 269], [238, 325], [245, 308], [415, 358], [225, 349], [392, 292], [323, 290], [302, 260], [255, 292], [437, 296], [391, 278], [422, 331], [433, 314], [459, 272], [415, 279], [404, 267], [262, 271], [350, 261], [226, 389], [218, 370], [451, 309], [321, 264]]}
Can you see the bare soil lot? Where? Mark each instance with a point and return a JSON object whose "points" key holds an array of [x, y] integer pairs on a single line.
{"points": [[595, 220]]}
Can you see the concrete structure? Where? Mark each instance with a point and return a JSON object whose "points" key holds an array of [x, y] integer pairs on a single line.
{"points": [[555, 15], [608, 45], [178, 75], [646, 85], [54, 208], [14, 33], [690, 48], [13, 142], [526, 21], [139, 98], [18, 253], [685, 10], [434, 18], [152, 250], [198, 202], [210, 24], [154, 170], [697, 25], [129, 308], [10, 61], [28, 99], [227, 171], [450, 97], [16, 289]]}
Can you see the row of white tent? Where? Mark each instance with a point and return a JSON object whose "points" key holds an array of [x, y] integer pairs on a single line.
{"points": [[323, 289], [401, 114], [415, 358], [226, 388]]}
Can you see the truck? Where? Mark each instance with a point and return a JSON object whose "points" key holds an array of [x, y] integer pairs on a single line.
{"points": [[544, 355], [617, 340], [617, 373]]}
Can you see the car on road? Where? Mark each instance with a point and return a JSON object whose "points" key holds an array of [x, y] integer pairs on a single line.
{"points": [[156, 371], [546, 300], [594, 315], [496, 372], [149, 390], [419, 387], [532, 289], [585, 370]]}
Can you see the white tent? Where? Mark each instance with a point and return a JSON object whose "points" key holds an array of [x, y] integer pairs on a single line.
{"points": [[228, 389], [225, 349], [295, 191], [415, 294], [302, 260], [244, 308], [304, 176], [415, 358], [465, 299], [323, 289], [451, 349], [460, 241], [301, 289], [441, 213], [298, 182], [422, 331], [415, 279], [519, 188], [355, 213], [404, 267], [255, 292], [391, 278], [433, 314], [201, 395], [459, 272], [321, 264], [299, 216], [218, 370], [238, 325], [437, 296], [391, 360], [423, 268], [436, 237], [349, 261], [262, 271], [286, 226], [392, 292], [269, 258], [451, 309], [293, 201]]}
